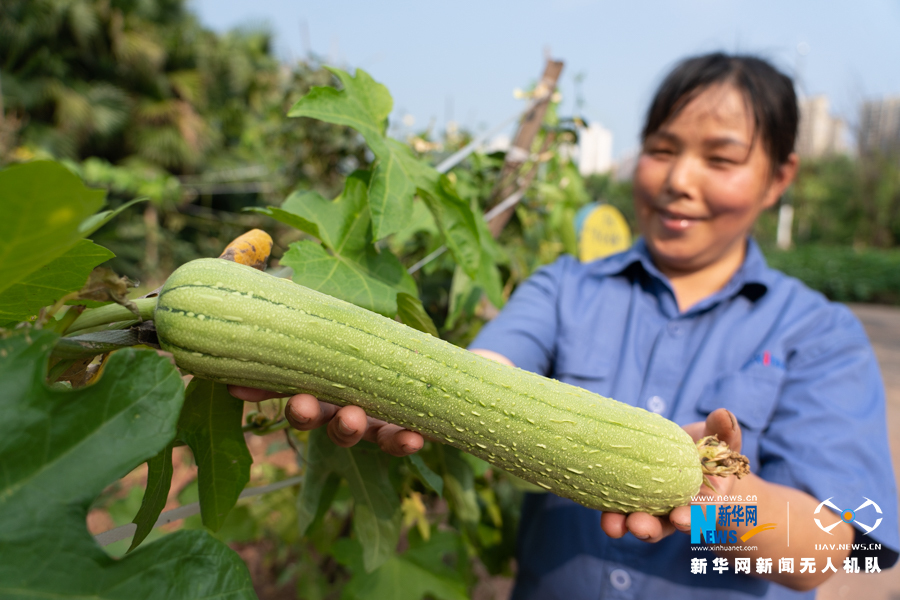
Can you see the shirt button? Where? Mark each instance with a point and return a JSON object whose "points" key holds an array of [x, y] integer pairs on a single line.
{"points": [[675, 328], [656, 404], [620, 579]]}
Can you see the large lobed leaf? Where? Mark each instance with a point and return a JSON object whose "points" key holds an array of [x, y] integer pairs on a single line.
{"points": [[398, 176], [346, 265], [43, 206], [60, 449]]}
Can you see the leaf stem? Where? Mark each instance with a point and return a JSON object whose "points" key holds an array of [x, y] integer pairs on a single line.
{"points": [[112, 313]]}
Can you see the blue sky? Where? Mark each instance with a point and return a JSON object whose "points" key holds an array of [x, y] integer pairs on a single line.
{"points": [[462, 60]]}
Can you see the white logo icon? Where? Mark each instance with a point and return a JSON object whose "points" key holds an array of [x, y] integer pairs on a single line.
{"points": [[847, 516]]}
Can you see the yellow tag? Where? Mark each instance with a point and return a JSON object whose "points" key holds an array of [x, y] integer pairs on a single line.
{"points": [[605, 232]]}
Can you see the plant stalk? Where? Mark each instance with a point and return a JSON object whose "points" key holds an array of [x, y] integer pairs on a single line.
{"points": [[112, 313]]}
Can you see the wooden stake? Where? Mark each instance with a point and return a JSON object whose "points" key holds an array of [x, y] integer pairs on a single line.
{"points": [[520, 151]]}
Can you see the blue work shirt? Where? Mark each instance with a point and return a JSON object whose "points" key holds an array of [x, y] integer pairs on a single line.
{"points": [[796, 370]]}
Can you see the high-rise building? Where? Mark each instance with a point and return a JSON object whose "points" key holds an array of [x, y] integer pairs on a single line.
{"points": [[879, 126], [819, 134], [594, 150]]}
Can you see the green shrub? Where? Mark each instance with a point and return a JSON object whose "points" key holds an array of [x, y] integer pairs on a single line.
{"points": [[843, 273]]}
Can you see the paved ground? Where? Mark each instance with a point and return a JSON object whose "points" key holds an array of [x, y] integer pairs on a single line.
{"points": [[883, 326]]}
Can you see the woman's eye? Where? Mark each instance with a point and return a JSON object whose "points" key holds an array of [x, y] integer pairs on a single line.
{"points": [[721, 160]]}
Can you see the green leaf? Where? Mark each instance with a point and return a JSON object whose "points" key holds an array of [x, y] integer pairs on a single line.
{"points": [[363, 104], [372, 284], [50, 282], [464, 297], [454, 217], [459, 485], [42, 206], [426, 475], [159, 480], [398, 176], [419, 572], [315, 499], [60, 449], [354, 270], [95, 222], [421, 220], [342, 224], [312, 500], [210, 424], [376, 508], [391, 189], [412, 313]]}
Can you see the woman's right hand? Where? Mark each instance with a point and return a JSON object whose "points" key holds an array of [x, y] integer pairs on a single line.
{"points": [[345, 425]]}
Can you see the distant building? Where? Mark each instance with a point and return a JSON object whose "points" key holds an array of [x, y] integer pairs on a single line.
{"points": [[819, 133], [879, 126], [594, 150]]}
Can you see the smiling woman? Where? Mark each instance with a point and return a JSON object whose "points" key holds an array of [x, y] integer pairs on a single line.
{"points": [[717, 151]]}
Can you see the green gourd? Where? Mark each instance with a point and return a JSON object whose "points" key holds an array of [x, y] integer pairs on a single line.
{"points": [[233, 324]]}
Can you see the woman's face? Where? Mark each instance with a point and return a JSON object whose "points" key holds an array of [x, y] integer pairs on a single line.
{"points": [[702, 180]]}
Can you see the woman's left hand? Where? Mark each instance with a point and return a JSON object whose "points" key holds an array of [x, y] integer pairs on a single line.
{"points": [[652, 529]]}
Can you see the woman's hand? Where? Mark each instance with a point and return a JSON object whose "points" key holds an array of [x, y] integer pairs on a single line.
{"points": [[652, 529], [345, 425]]}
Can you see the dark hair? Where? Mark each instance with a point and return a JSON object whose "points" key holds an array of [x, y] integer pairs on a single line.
{"points": [[767, 91]]}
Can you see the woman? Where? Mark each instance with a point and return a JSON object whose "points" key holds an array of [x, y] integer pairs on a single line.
{"points": [[690, 323]]}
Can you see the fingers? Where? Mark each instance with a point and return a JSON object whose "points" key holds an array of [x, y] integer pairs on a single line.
{"points": [[346, 426], [680, 518], [723, 423], [393, 439], [641, 525], [613, 524]]}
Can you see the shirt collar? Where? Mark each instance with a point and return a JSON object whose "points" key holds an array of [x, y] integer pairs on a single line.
{"points": [[753, 279]]}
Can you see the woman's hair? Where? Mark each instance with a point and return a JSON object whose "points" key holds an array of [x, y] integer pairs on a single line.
{"points": [[768, 93]]}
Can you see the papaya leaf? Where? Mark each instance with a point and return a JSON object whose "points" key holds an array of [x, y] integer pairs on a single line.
{"points": [[290, 218], [60, 449], [159, 481], [372, 284], [419, 572], [50, 282], [376, 505], [210, 424], [364, 105], [42, 206], [354, 270], [342, 224], [412, 313]]}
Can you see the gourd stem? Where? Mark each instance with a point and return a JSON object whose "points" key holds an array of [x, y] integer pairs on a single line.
{"points": [[717, 459], [112, 313]]}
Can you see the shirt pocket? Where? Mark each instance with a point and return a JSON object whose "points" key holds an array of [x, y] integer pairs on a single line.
{"points": [[585, 369], [750, 394]]}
